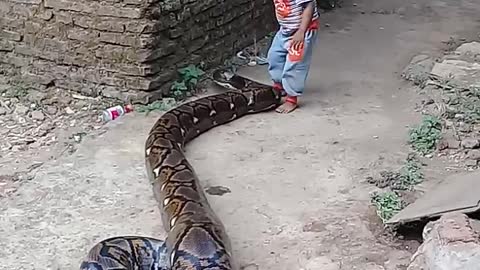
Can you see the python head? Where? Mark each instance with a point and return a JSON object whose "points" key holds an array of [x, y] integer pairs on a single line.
{"points": [[261, 98]]}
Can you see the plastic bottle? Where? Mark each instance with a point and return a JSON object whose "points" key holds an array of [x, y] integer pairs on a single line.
{"points": [[115, 112]]}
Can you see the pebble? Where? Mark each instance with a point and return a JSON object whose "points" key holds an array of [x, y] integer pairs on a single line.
{"points": [[21, 109], [474, 154], [77, 138], [52, 110], [68, 110], [323, 263], [38, 115], [3, 111], [471, 163], [18, 148], [453, 144], [36, 144], [36, 96], [470, 143]]}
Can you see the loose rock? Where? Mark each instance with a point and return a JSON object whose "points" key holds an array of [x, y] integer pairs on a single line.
{"points": [[418, 69], [470, 143], [449, 243], [453, 144], [474, 154], [18, 148], [52, 110], [38, 115], [471, 163], [21, 109], [35, 145], [68, 110]]}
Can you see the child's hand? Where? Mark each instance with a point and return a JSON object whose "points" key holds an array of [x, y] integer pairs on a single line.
{"points": [[297, 39]]}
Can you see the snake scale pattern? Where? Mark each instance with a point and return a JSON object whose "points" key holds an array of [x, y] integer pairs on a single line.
{"points": [[196, 238]]}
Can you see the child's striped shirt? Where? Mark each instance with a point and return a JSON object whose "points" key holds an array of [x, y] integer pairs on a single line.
{"points": [[289, 14]]}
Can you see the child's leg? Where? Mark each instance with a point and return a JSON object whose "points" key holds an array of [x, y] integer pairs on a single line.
{"points": [[277, 55], [296, 71]]}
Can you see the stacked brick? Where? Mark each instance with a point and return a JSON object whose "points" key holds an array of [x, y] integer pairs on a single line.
{"points": [[123, 48]]}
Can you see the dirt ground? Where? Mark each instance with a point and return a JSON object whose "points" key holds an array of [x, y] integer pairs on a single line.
{"points": [[298, 196]]}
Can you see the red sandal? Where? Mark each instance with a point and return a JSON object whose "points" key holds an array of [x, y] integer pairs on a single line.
{"points": [[292, 100], [279, 88]]}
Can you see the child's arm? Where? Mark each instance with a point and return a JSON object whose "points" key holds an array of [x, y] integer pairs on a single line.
{"points": [[307, 15]]}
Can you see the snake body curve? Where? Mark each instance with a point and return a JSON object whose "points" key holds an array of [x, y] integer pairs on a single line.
{"points": [[196, 238]]}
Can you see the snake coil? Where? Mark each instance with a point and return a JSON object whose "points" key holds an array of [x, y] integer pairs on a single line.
{"points": [[196, 237]]}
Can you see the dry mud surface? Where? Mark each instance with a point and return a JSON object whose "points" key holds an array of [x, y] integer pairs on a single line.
{"points": [[298, 197]]}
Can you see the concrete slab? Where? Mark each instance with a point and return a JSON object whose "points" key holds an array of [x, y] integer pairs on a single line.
{"points": [[457, 193], [463, 71], [257, 73]]}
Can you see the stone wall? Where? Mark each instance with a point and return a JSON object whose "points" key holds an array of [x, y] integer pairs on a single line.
{"points": [[120, 48]]}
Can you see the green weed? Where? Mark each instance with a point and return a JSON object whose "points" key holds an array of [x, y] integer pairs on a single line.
{"points": [[388, 204], [410, 173], [164, 104], [189, 77], [425, 136], [16, 91], [463, 104]]}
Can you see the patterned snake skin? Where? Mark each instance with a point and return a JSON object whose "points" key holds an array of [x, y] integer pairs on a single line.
{"points": [[196, 237]]}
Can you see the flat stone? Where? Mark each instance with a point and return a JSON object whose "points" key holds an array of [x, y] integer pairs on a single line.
{"points": [[36, 96], [35, 145], [68, 110], [323, 263], [471, 163], [38, 115], [18, 148], [10, 35], [21, 109], [52, 110], [418, 68], [453, 144], [457, 193], [463, 71], [449, 244], [470, 143], [469, 48], [474, 154]]}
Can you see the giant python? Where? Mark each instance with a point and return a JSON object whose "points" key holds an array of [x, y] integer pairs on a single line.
{"points": [[196, 238]]}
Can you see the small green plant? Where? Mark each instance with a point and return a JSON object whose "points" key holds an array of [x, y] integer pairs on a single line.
{"points": [[387, 204], [179, 89], [464, 104], [405, 178], [189, 77], [160, 105], [410, 173], [16, 91], [425, 136]]}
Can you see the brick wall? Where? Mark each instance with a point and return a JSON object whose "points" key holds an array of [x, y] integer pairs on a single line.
{"points": [[123, 48]]}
